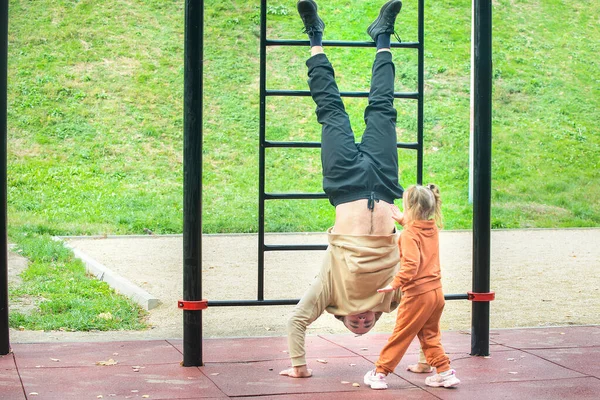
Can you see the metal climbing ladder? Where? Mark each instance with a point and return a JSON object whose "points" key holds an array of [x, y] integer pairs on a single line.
{"points": [[193, 304], [266, 144]]}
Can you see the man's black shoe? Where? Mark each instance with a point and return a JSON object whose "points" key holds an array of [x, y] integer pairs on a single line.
{"points": [[386, 19], [308, 12]]}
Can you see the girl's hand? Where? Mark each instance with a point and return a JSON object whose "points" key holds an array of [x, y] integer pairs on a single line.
{"points": [[386, 289], [297, 372], [397, 215]]}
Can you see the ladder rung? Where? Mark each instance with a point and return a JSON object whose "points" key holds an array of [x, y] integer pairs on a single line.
{"points": [[297, 196], [413, 146], [306, 93], [294, 247], [338, 43], [292, 144]]}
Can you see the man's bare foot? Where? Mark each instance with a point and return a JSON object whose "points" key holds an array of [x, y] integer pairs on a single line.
{"points": [[420, 368], [297, 372]]}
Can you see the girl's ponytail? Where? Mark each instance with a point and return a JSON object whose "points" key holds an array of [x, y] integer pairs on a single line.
{"points": [[437, 211]]}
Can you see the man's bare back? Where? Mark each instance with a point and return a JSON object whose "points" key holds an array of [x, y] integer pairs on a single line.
{"points": [[355, 218]]}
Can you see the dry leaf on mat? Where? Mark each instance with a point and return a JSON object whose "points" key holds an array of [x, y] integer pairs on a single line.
{"points": [[107, 362]]}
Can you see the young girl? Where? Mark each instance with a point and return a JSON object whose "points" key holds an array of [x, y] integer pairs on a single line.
{"points": [[419, 278]]}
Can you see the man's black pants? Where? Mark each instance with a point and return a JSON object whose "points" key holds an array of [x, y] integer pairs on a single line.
{"points": [[365, 170]]}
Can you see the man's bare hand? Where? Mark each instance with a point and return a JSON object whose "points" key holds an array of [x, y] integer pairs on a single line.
{"points": [[297, 372], [397, 215], [386, 289]]}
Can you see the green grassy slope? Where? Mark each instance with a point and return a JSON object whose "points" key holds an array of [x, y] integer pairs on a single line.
{"points": [[95, 112]]}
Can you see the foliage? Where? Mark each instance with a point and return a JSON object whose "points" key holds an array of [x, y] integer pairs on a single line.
{"points": [[56, 293]]}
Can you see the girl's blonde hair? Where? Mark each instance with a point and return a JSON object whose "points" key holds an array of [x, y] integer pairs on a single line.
{"points": [[424, 203]]}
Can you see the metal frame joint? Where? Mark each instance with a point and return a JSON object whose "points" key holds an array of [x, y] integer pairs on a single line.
{"points": [[489, 296], [191, 305]]}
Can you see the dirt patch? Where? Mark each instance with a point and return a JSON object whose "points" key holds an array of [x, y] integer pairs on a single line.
{"points": [[24, 304], [540, 277]]}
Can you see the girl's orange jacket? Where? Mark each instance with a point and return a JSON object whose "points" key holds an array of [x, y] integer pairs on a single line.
{"points": [[419, 259]]}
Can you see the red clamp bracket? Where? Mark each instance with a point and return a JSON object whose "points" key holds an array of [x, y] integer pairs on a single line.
{"points": [[481, 296], [192, 305]]}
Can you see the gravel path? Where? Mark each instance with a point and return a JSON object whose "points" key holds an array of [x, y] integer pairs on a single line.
{"points": [[541, 278]]}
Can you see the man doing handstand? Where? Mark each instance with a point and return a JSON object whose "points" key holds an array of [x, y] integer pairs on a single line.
{"points": [[361, 182]]}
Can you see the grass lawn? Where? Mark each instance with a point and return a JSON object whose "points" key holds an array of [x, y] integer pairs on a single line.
{"points": [[95, 120]]}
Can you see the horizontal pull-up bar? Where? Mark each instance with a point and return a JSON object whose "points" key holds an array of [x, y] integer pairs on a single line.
{"points": [[338, 43], [299, 93], [288, 302]]}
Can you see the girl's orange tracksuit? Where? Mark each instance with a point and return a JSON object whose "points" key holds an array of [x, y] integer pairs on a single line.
{"points": [[422, 301]]}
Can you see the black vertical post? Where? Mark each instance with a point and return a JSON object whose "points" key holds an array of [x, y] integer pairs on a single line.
{"points": [[420, 89], [4, 339], [192, 180], [261, 154], [482, 172]]}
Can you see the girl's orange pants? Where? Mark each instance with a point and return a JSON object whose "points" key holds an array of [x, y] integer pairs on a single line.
{"points": [[417, 316]]}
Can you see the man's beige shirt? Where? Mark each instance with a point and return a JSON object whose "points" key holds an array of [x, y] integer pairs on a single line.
{"points": [[353, 268]]}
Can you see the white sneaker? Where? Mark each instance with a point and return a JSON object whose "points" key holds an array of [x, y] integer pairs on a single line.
{"points": [[375, 380], [446, 379]]}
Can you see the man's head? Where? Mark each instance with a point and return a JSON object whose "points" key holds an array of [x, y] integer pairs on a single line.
{"points": [[360, 323]]}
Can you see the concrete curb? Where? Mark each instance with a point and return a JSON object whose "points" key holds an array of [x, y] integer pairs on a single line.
{"points": [[114, 280]]}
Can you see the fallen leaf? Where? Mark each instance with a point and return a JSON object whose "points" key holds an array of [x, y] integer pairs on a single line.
{"points": [[33, 393], [356, 384], [145, 396], [99, 396], [322, 361], [55, 359], [108, 362]]}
